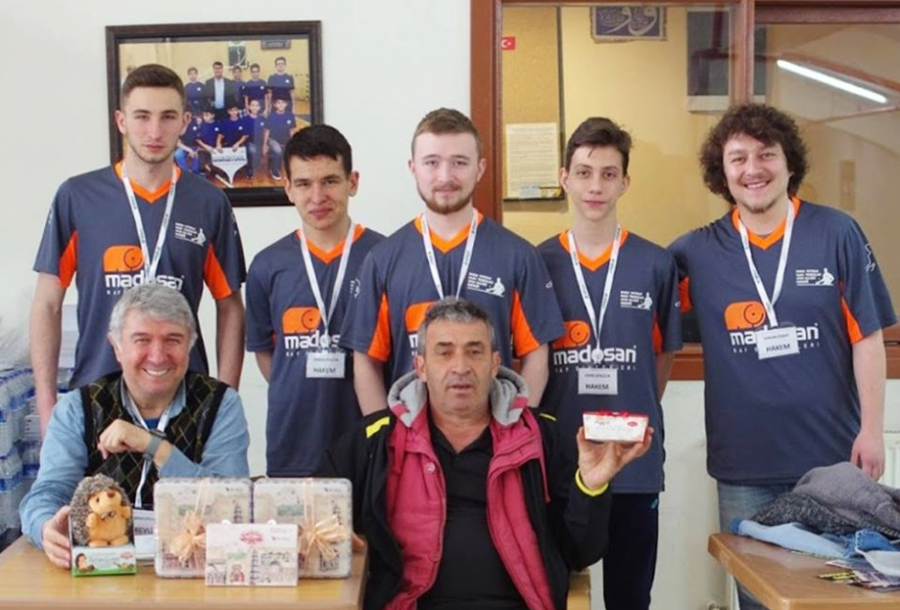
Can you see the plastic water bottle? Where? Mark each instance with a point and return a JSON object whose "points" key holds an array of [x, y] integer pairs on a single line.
{"points": [[6, 430]]}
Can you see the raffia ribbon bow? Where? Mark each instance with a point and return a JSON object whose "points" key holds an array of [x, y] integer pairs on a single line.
{"points": [[321, 537], [191, 541]]}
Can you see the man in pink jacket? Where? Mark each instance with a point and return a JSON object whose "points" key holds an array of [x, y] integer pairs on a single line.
{"points": [[461, 490]]}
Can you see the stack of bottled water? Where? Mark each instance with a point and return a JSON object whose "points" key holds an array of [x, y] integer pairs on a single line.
{"points": [[19, 447]]}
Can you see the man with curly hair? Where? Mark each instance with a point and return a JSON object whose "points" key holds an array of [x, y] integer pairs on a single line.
{"points": [[791, 305]]}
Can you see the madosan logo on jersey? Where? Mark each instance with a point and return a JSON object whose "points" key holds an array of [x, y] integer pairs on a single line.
{"points": [[744, 319], [301, 327], [575, 348], [123, 268], [413, 317]]}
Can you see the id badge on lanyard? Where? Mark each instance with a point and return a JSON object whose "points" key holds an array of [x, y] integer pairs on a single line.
{"points": [[329, 361], [776, 341], [595, 379]]}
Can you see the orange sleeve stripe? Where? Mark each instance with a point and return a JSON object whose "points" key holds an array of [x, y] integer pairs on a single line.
{"points": [[68, 262], [214, 276], [380, 348], [684, 293], [657, 336], [853, 329], [523, 338]]}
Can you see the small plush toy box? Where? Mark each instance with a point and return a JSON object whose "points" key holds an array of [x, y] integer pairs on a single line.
{"points": [[322, 509], [101, 529], [104, 560], [251, 554], [618, 426], [183, 508]]}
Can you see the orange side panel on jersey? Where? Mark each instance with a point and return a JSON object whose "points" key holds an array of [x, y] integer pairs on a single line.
{"points": [[68, 262], [684, 293], [657, 336], [380, 348], [523, 339], [214, 276], [853, 329]]}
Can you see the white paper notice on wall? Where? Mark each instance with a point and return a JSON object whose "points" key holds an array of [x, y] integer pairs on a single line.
{"points": [[532, 160]]}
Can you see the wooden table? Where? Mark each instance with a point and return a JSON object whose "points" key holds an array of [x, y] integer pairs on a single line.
{"points": [[28, 581], [783, 580]]}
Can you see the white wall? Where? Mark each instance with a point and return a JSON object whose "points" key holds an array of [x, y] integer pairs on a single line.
{"points": [[385, 64]]}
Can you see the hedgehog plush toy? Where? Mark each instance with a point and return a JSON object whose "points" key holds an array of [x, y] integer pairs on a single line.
{"points": [[100, 513]]}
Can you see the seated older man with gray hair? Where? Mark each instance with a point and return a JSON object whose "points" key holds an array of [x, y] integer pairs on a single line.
{"points": [[153, 419]]}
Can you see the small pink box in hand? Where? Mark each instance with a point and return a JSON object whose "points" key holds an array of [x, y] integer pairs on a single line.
{"points": [[619, 426]]}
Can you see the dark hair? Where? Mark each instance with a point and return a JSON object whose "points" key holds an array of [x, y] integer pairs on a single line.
{"points": [[318, 141], [152, 75], [280, 58], [218, 63], [252, 66], [191, 69], [454, 309], [761, 122], [236, 67], [443, 121], [599, 131]]}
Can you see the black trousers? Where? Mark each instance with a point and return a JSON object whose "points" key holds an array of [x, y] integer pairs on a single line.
{"points": [[630, 563]]}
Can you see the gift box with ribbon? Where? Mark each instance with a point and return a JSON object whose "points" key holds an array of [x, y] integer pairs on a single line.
{"points": [[251, 554], [183, 508], [322, 510]]}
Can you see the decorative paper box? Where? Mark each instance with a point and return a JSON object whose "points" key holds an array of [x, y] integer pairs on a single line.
{"points": [[183, 508], [248, 554], [322, 509], [615, 426]]}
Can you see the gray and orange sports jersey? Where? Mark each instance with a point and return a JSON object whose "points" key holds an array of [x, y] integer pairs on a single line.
{"points": [[90, 236], [642, 320], [770, 421], [506, 277], [305, 415]]}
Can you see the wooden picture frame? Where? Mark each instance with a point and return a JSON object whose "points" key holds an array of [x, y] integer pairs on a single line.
{"points": [[286, 59]]}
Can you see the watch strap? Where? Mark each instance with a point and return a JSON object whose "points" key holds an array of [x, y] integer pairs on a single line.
{"points": [[155, 440]]}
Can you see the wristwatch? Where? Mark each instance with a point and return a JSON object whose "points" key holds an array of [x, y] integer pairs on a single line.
{"points": [[156, 437]]}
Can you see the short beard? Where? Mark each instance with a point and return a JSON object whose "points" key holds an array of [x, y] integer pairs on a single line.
{"points": [[448, 208]]}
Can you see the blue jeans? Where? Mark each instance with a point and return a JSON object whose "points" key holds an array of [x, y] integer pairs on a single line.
{"points": [[742, 502]]}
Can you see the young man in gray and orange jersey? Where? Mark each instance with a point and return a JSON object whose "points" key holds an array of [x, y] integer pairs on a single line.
{"points": [[619, 297], [297, 294], [140, 220], [450, 250], [790, 303]]}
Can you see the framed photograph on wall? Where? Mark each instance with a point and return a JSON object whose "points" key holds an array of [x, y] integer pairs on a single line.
{"points": [[253, 83]]}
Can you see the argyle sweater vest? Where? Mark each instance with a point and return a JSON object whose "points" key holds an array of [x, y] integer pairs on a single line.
{"points": [[188, 431]]}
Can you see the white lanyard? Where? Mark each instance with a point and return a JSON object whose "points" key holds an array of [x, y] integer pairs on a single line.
{"points": [[768, 304], [339, 280], [467, 255], [150, 264], [160, 425], [596, 319]]}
